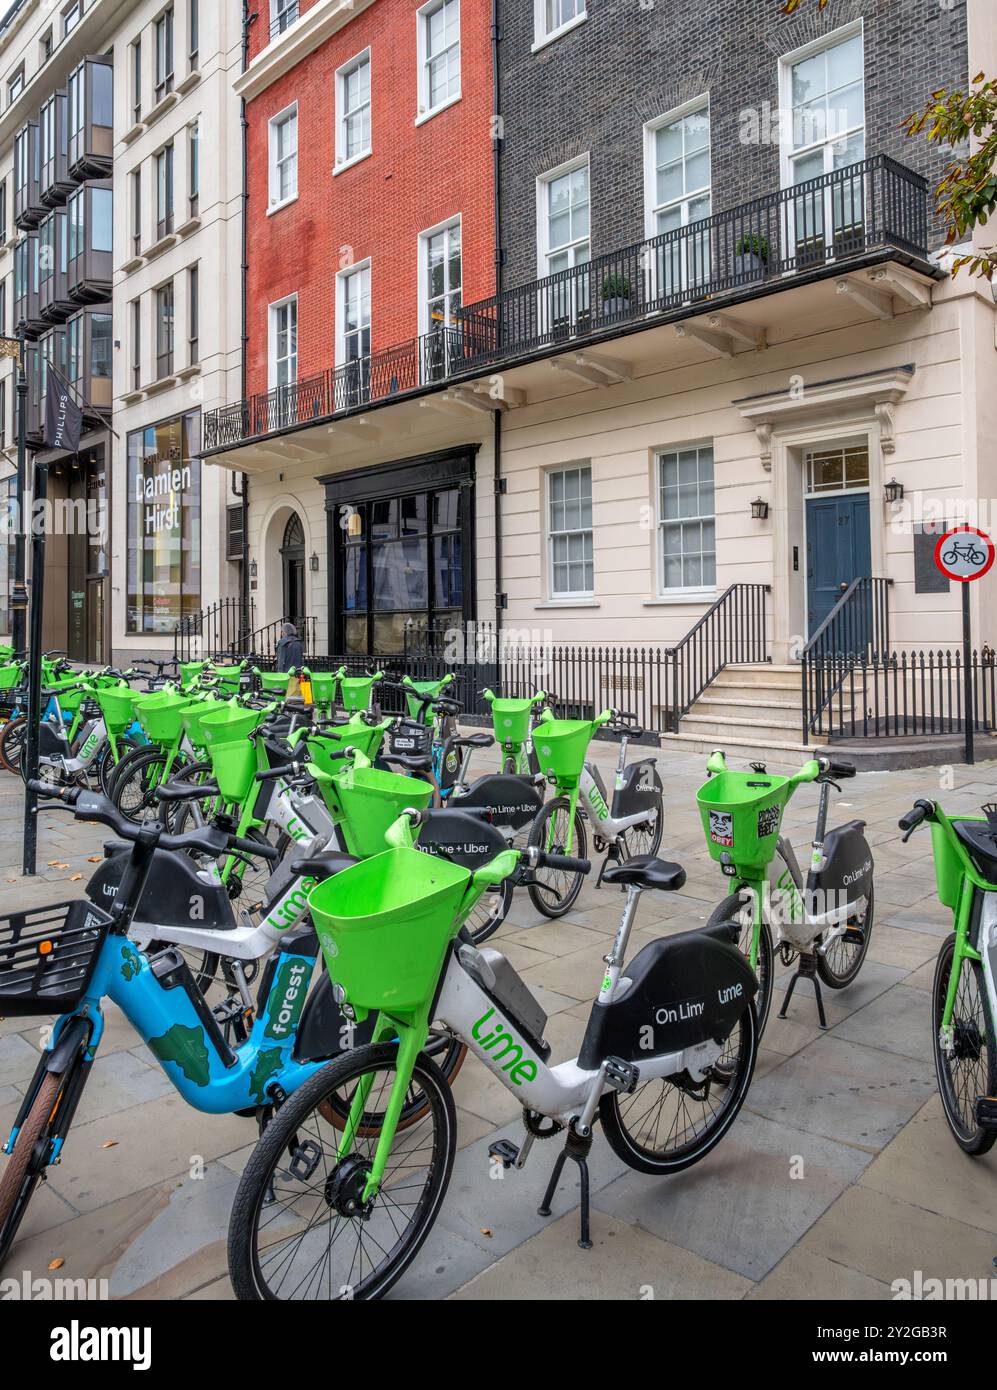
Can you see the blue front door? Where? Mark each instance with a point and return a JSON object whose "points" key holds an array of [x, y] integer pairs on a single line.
{"points": [[838, 550]]}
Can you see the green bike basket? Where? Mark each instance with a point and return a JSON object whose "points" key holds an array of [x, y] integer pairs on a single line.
{"points": [[434, 688], [274, 682], [161, 716], [948, 866], [355, 692], [190, 671], [228, 723], [511, 720], [741, 814], [561, 745], [385, 924], [366, 738], [10, 676], [233, 768], [366, 802], [323, 686], [117, 707], [229, 677], [191, 716]]}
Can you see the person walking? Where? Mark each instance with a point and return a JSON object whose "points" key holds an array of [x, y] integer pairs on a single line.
{"points": [[290, 658]]}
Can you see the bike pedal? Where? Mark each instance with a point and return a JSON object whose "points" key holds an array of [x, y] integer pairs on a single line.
{"points": [[505, 1151], [986, 1111], [622, 1076], [851, 936], [305, 1160]]}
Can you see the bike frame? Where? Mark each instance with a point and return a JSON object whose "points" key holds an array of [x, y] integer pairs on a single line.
{"points": [[972, 883]]}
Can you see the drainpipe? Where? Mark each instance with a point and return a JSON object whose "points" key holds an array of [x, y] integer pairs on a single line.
{"points": [[244, 595], [499, 257]]}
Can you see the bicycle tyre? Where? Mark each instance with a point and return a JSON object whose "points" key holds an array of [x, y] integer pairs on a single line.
{"points": [[260, 1188], [838, 979], [972, 1138], [21, 1172], [729, 912], [540, 894]]}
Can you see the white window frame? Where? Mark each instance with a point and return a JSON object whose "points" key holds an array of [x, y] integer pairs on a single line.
{"points": [[651, 209], [425, 111], [680, 591], [423, 290], [543, 180], [274, 202], [272, 311], [786, 65], [341, 277], [342, 73], [541, 36], [573, 595]]}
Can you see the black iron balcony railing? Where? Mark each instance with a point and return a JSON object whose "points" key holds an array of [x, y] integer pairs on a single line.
{"points": [[820, 225]]}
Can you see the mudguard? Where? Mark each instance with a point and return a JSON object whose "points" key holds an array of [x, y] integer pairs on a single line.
{"points": [[684, 990], [846, 875], [175, 895], [641, 790], [514, 801]]}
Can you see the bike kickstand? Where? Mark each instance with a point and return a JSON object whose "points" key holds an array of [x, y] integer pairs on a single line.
{"points": [[576, 1148], [807, 970]]}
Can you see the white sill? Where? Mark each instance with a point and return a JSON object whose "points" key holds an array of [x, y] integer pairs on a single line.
{"points": [[278, 207], [682, 596], [569, 603], [564, 29], [349, 163], [428, 115]]}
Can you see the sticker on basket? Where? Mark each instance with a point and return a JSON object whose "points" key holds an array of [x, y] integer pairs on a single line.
{"points": [[768, 821], [722, 828]]}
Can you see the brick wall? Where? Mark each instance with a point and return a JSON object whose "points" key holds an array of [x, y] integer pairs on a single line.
{"points": [[633, 60], [417, 177]]}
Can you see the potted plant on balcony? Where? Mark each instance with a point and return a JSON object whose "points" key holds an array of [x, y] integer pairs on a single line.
{"points": [[751, 256], [615, 294]]}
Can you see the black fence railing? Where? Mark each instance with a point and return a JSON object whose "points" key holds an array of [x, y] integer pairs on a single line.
{"points": [[213, 631], [261, 645], [821, 223], [734, 630], [857, 627], [908, 694]]}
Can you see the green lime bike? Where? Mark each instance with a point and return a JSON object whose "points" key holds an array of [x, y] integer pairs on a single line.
{"points": [[821, 922], [964, 992], [340, 1211]]}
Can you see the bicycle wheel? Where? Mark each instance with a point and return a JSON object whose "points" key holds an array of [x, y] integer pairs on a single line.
{"points": [[12, 742], [645, 838], [490, 912], [299, 1228], [968, 1068], [553, 891], [449, 1054], [734, 911], [24, 1167], [842, 961], [137, 782], [670, 1123]]}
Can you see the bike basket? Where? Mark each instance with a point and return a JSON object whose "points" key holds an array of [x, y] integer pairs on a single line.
{"points": [[227, 723], [948, 866], [385, 924], [323, 686], [233, 768], [191, 716], [421, 688], [190, 671], [511, 720], [561, 745], [274, 682], [10, 676], [741, 814], [117, 706], [355, 692], [161, 716], [366, 738], [229, 677], [47, 957], [366, 802]]}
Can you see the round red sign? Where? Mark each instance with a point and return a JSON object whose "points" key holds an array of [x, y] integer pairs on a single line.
{"points": [[964, 554]]}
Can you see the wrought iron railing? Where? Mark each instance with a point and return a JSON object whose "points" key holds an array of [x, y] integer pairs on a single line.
{"points": [[213, 631], [733, 630], [822, 223], [856, 629], [261, 645], [909, 694]]}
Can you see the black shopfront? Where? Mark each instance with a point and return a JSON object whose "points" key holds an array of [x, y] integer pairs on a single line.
{"points": [[401, 548]]}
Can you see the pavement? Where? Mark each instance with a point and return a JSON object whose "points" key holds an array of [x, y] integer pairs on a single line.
{"points": [[838, 1177]]}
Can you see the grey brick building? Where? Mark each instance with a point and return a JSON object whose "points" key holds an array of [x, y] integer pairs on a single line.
{"points": [[591, 89]]}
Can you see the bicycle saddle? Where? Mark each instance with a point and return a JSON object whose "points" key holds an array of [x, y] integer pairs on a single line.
{"points": [[472, 740], [322, 866], [645, 871], [420, 762]]}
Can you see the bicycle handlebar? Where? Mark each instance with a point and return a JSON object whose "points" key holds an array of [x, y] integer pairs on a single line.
{"points": [[919, 812]]}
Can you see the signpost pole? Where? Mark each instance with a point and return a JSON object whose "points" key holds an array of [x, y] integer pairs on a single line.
{"points": [[967, 676], [30, 751]]}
